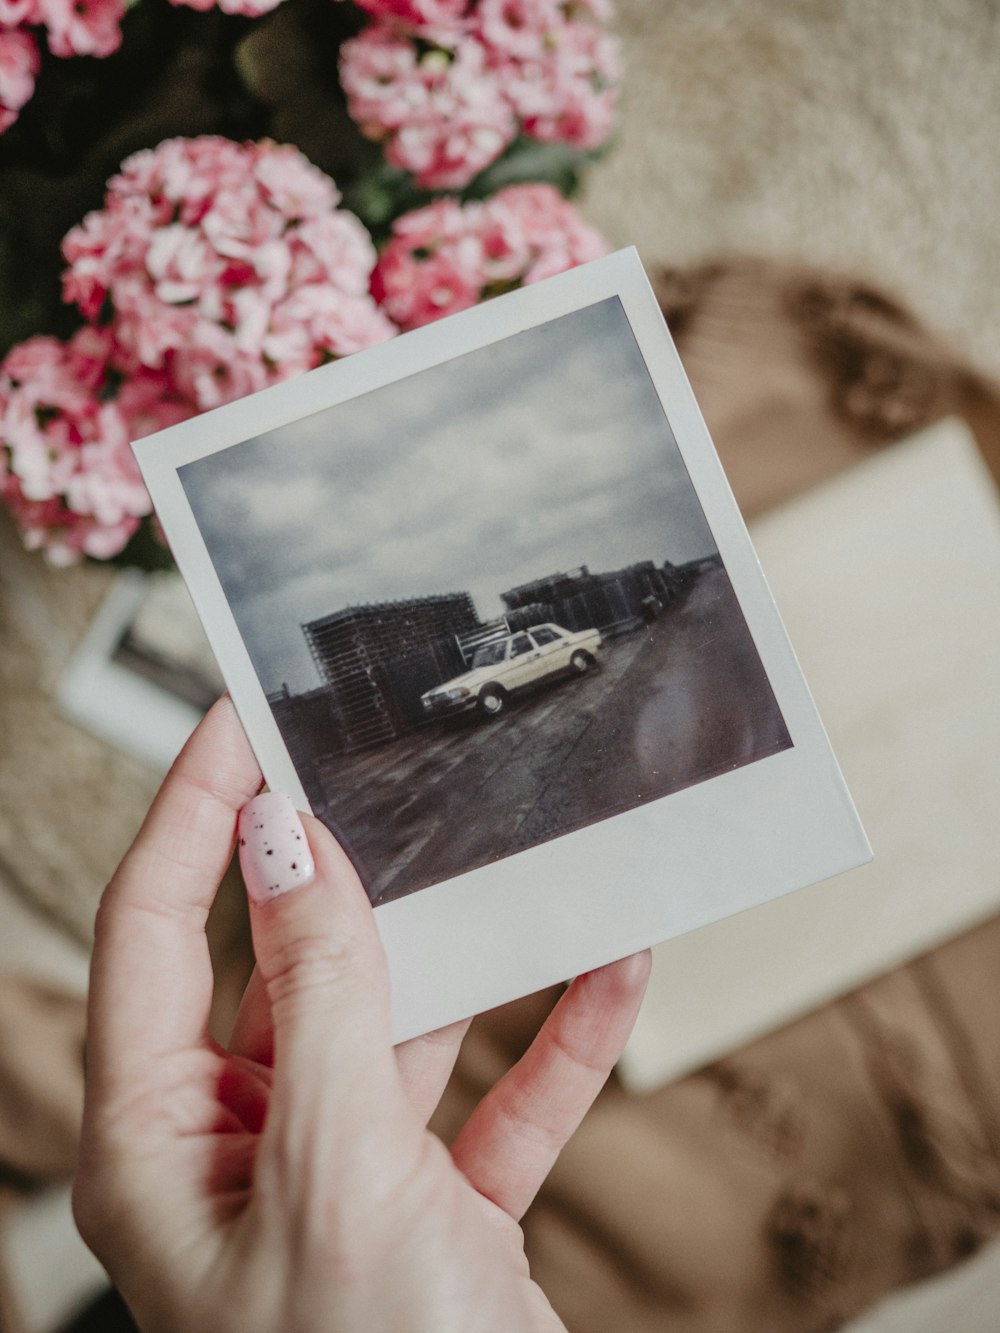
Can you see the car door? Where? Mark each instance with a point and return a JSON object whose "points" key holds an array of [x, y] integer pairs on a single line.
{"points": [[553, 651], [522, 662]]}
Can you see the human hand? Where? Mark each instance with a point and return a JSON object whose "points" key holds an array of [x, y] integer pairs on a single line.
{"points": [[289, 1182]]}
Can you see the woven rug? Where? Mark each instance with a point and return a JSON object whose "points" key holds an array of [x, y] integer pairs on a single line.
{"points": [[855, 136]]}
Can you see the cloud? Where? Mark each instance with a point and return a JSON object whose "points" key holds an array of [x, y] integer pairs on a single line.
{"points": [[541, 452]]}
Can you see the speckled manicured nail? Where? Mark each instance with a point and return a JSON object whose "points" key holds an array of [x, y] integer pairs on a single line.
{"points": [[274, 853]]}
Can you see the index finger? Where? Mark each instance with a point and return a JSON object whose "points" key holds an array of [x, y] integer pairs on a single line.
{"points": [[151, 976]]}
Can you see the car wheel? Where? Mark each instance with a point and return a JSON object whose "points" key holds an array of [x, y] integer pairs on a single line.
{"points": [[492, 700], [581, 662]]}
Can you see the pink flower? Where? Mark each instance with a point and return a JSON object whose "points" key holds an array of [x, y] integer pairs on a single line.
{"points": [[567, 92], [552, 229], [333, 249], [86, 356], [318, 316], [75, 27], [519, 28], [439, 14], [248, 8], [149, 402], [15, 12], [66, 469], [180, 261], [440, 113], [292, 185], [446, 90], [18, 67], [207, 252], [82, 27], [379, 73], [449, 256]]}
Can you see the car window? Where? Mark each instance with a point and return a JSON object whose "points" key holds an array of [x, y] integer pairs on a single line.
{"points": [[544, 635], [519, 644], [489, 654]]}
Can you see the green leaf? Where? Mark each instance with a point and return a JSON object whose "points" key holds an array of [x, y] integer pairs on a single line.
{"points": [[144, 551], [383, 194], [528, 161]]}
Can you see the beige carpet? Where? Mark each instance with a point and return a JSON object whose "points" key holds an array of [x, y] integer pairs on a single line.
{"points": [[857, 134]]}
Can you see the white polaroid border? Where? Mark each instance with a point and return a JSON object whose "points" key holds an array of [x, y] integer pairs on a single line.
{"points": [[630, 880]]}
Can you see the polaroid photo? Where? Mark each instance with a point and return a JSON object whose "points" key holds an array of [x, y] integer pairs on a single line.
{"points": [[486, 606]]}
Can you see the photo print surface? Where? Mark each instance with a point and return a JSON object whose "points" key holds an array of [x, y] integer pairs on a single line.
{"points": [[484, 603]]}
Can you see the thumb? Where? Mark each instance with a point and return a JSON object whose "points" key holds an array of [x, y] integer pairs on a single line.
{"points": [[321, 959]]}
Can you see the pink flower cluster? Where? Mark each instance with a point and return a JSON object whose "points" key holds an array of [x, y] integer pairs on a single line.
{"points": [[227, 265], [73, 27], [449, 256], [213, 269], [66, 469], [446, 85]]}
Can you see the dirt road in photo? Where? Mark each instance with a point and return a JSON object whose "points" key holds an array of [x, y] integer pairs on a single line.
{"points": [[673, 703]]}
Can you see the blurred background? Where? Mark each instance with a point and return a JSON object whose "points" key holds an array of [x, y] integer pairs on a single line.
{"points": [[856, 137], [805, 1132]]}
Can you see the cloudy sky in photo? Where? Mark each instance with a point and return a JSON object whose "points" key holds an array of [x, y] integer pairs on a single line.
{"points": [[540, 453]]}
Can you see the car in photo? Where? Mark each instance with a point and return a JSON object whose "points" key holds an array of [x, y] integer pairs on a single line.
{"points": [[510, 662]]}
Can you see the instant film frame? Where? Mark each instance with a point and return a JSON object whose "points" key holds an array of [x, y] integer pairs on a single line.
{"points": [[539, 459]]}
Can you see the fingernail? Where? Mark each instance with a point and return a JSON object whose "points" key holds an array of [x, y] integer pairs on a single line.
{"points": [[274, 853]]}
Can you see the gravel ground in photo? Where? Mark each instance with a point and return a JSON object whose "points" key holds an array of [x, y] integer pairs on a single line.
{"points": [[672, 704]]}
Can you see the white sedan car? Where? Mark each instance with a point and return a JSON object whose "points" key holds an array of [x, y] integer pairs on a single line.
{"points": [[503, 665]]}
